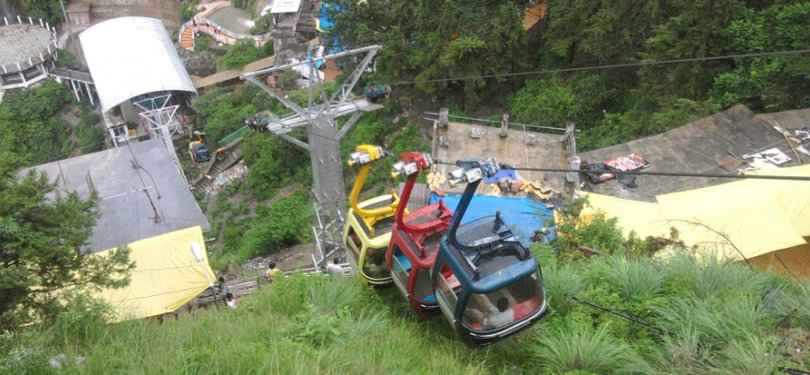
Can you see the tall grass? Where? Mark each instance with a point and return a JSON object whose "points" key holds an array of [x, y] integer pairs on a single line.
{"points": [[577, 348], [640, 279], [561, 282], [316, 325], [299, 325]]}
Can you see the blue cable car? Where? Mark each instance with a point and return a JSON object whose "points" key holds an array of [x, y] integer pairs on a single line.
{"points": [[487, 284]]}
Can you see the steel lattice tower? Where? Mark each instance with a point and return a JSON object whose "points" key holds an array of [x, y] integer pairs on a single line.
{"points": [[320, 117]]}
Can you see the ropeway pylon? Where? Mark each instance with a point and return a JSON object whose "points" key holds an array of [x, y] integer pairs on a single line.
{"points": [[324, 140]]}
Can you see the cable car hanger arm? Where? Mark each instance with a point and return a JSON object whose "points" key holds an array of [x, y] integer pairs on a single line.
{"points": [[365, 156]]}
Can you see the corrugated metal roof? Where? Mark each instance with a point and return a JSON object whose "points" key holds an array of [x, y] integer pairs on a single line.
{"points": [[131, 56], [697, 147]]}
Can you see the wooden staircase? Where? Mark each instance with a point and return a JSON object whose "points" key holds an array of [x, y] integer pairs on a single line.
{"points": [[187, 40]]}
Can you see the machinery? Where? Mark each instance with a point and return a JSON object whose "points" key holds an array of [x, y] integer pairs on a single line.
{"points": [[415, 239], [199, 149], [487, 284], [368, 224], [373, 92]]}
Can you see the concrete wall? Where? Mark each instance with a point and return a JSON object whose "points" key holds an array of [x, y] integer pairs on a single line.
{"points": [[167, 11]]}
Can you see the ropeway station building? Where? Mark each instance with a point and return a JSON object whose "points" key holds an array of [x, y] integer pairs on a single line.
{"points": [[138, 76]]}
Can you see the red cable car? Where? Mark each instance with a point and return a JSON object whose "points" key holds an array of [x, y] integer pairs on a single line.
{"points": [[415, 239]]}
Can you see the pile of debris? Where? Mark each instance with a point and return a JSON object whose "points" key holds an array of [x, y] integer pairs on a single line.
{"points": [[597, 173]]}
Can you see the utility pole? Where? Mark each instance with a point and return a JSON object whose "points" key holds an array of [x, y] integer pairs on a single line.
{"points": [[319, 117]]}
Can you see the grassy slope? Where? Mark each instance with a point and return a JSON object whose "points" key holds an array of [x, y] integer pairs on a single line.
{"points": [[712, 317]]}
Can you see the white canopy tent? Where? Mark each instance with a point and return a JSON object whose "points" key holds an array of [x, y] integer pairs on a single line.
{"points": [[132, 56]]}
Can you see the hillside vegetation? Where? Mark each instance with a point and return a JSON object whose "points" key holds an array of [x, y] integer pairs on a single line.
{"points": [[694, 316], [469, 53]]}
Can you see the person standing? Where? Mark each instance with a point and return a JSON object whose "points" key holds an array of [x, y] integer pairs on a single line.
{"points": [[224, 290], [272, 272]]}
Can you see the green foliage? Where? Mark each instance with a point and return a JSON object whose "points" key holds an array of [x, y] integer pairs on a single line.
{"points": [[220, 113], [577, 348], [90, 132], [242, 52], [49, 11], [376, 132], [274, 163], [428, 40], [29, 127], [43, 241], [202, 42], [263, 24], [282, 224], [598, 232], [278, 330], [767, 83], [188, 9], [67, 59], [635, 279], [545, 102]]}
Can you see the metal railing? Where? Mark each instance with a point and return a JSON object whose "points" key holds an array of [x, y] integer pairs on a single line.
{"points": [[36, 57], [214, 29]]}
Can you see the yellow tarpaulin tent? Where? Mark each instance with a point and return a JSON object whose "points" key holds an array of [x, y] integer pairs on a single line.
{"points": [[759, 217], [167, 275]]}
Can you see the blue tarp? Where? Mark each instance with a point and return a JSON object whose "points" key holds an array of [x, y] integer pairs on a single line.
{"points": [[503, 173], [324, 19], [523, 215]]}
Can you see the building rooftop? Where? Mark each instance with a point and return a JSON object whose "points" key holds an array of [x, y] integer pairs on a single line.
{"points": [[698, 147], [547, 152], [20, 41], [134, 203], [132, 56]]}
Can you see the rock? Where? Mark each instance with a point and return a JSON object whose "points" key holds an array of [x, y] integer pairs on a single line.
{"points": [[197, 63], [56, 361]]}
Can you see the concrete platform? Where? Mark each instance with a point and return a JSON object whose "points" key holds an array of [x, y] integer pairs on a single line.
{"points": [[548, 152], [18, 42]]}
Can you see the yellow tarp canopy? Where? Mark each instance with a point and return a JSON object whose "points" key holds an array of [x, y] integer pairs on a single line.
{"points": [[167, 275], [756, 216]]}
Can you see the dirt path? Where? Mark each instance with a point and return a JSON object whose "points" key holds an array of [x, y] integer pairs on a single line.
{"points": [[290, 259]]}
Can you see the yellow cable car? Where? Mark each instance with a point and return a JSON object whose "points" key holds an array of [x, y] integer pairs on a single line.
{"points": [[368, 223]]}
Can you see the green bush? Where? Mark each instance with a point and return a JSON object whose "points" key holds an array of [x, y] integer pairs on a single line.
{"points": [[29, 125], [90, 133], [66, 59], [242, 52], [188, 10], [580, 349]]}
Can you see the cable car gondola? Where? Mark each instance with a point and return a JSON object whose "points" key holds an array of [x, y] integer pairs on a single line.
{"points": [[488, 285], [368, 224], [415, 239]]}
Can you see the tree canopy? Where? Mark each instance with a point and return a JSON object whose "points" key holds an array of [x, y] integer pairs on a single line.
{"points": [[429, 43], [43, 233]]}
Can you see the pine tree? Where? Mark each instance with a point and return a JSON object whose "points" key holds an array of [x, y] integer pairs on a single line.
{"points": [[43, 238]]}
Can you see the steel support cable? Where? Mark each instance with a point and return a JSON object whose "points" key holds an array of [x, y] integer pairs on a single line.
{"points": [[609, 66], [668, 174]]}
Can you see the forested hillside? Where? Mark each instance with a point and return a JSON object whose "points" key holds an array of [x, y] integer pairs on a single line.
{"points": [[428, 43]]}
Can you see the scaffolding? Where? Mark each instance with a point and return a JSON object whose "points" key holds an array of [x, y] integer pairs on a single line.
{"points": [[160, 122], [324, 136]]}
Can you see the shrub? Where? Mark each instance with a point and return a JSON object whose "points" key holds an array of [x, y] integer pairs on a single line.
{"points": [[577, 348], [640, 279], [67, 59], [561, 282], [239, 54]]}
